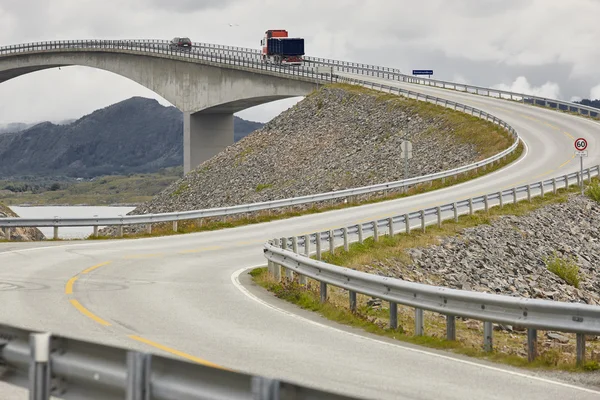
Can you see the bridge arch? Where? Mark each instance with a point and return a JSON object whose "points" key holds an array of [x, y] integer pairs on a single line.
{"points": [[208, 95]]}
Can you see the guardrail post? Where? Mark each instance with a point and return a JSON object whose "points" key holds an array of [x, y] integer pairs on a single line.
{"points": [[39, 366], [531, 344], [393, 315], [7, 232], [375, 231], [120, 231], [589, 175], [450, 327], [488, 332], [55, 236], [323, 292], [331, 243], [345, 234], [276, 267], [419, 328], [175, 226], [352, 301], [566, 181], [529, 193], [360, 233], [580, 349], [455, 207], [318, 243], [95, 234], [407, 223], [149, 229], [391, 226], [554, 185], [470, 206], [500, 199], [439, 216], [486, 203], [514, 192], [542, 188], [285, 271], [423, 220], [137, 376]]}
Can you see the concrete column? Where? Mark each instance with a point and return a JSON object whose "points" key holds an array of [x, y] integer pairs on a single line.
{"points": [[205, 135]]}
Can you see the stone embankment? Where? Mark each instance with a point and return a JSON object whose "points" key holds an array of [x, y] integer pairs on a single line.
{"points": [[339, 137], [511, 255], [22, 234]]}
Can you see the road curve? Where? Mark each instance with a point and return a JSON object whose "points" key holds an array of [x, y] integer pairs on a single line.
{"points": [[180, 293]]}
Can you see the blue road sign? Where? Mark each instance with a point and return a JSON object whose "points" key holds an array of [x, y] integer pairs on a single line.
{"points": [[422, 72]]}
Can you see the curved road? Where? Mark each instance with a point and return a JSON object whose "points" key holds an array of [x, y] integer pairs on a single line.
{"points": [[181, 294]]}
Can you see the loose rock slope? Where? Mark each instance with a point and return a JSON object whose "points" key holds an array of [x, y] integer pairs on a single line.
{"points": [[339, 137], [509, 255], [23, 234]]}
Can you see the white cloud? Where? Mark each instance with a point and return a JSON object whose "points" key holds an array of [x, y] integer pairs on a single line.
{"points": [[575, 98], [595, 93], [549, 90]]}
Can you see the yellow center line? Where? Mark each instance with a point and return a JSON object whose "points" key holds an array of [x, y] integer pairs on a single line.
{"points": [[88, 313], [69, 285], [75, 303], [566, 162], [176, 352], [90, 269]]}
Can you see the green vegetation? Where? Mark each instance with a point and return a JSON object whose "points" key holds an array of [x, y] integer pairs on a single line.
{"points": [[563, 267], [105, 190], [260, 187], [593, 191], [508, 347]]}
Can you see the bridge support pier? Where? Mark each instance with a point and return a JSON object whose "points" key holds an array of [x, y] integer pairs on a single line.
{"points": [[205, 135]]}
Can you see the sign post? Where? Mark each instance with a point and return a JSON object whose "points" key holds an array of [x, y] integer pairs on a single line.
{"points": [[406, 148], [580, 146]]}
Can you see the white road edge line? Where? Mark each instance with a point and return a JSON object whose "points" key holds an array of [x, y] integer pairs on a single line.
{"points": [[235, 279]]}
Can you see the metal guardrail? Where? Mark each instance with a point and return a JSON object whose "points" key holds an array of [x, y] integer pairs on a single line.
{"points": [[51, 365], [534, 314], [149, 219], [396, 74]]}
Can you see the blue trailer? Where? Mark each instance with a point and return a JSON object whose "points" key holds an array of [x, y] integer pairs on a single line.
{"points": [[278, 48]]}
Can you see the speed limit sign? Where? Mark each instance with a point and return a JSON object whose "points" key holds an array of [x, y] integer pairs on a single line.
{"points": [[580, 144]]}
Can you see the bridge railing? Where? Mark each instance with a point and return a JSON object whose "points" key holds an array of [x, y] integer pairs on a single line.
{"points": [[149, 219], [396, 74], [288, 256], [338, 65], [51, 365]]}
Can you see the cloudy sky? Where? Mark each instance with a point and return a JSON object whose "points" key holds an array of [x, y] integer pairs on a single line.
{"points": [[544, 47]]}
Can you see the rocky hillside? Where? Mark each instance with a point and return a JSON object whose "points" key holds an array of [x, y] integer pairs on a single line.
{"points": [[23, 234], [511, 255], [134, 136], [339, 137]]}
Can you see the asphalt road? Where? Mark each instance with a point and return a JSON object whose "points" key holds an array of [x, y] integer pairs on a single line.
{"points": [[182, 293]]}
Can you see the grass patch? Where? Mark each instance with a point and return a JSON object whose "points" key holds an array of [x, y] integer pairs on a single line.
{"points": [[193, 226], [563, 267], [260, 187], [593, 191], [509, 347]]}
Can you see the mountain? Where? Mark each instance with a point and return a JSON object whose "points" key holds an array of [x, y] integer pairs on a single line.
{"points": [[590, 103], [133, 136]]}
